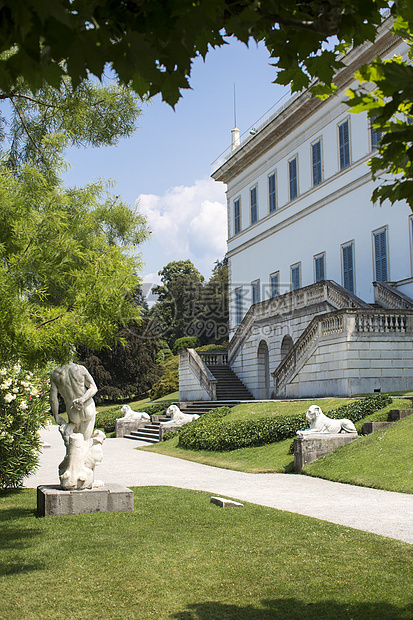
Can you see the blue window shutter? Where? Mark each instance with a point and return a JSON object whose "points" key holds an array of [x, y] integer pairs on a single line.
{"points": [[344, 143], [316, 153], [238, 306], [237, 217], [272, 196], [292, 168], [255, 292], [348, 269], [319, 268], [253, 204], [275, 285], [375, 136], [295, 277], [380, 255]]}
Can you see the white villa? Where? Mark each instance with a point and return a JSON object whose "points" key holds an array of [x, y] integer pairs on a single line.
{"points": [[321, 279]]}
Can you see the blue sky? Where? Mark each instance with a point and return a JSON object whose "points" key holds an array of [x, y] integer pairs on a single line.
{"points": [[166, 165]]}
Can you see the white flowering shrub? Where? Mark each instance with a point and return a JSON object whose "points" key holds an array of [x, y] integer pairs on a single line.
{"points": [[24, 408]]}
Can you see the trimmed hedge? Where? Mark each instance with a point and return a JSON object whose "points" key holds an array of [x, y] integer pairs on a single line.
{"points": [[107, 419], [212, 432]]}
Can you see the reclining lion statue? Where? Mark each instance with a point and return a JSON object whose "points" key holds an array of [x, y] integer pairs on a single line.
{"points": [[134, 416], [177, 417], [320, 423]]}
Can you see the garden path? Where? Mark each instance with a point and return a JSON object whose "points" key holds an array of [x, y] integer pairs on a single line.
{"points": [[379, 512]]}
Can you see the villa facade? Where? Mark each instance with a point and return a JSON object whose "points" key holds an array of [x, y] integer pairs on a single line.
{"points": [[321, 279]]}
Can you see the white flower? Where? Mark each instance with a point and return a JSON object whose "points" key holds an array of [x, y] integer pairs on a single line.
{"points": [[15, 390], [25, 384], [6, 384], [34, 392], [29, 376], [3, 372], [23, 405], [17, 368], [9, 397]]}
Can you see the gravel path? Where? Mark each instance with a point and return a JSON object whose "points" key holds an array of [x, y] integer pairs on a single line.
{"points": [[380, 512]]}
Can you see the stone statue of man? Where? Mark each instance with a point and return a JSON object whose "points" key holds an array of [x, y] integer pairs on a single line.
{"points": [[77, 388]]}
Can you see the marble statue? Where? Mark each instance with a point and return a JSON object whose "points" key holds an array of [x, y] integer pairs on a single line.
{"points": [[83, 444], [134, 416], [177, 417], [320, 423]]}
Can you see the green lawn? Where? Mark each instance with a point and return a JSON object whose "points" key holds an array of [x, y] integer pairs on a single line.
{"points": [[180, 557], [383, 460], [276, 457]]}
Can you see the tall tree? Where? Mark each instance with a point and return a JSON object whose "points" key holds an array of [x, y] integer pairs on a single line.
{"points": [[179, 300], [67, 272], [216, 308], [124, 371], [151, 45]]}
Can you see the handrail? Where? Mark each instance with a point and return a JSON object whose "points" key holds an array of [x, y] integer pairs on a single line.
{"points": [[348, 321], [214, 358], [326, 291], [202, 373], [387, 296]]}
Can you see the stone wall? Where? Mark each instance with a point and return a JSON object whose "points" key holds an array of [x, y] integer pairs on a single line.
{"points": [[359, 365], [190, 386]]}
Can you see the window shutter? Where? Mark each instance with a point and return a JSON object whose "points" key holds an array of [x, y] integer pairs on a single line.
{"points": [[348, 273], [380, 253]]}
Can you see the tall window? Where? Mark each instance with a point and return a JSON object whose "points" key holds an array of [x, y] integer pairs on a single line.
{"points": [[344, 144], [375, 135], [292, 172], [253, 204], [380, 256], [272, 193], [255, 287], [295, 277], [319, 267], [316, 158], [238, 305], [348, 266], [237, 216], [275, 284]]}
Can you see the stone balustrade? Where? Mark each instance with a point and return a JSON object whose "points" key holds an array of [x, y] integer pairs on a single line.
{"points": [[388, 297], [214, 358], [196, 382], [327, 291], [350, 324]]}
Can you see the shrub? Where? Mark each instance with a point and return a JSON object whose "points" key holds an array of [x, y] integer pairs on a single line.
{"points": [[212, 432], [188, 342], [107, 419], [24, 409], [170, 435], [169, 382]]}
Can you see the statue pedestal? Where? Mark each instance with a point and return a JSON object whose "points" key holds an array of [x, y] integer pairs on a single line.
{"points": [[311, 446], [53, 500]]}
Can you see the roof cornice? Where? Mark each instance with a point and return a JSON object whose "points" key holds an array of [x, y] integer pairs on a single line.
{"points": [[301, 107]]}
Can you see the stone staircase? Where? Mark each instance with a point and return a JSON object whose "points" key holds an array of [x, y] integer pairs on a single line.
{"points": [[229, 386], [393, 416], [203, 406], [150, 432]]}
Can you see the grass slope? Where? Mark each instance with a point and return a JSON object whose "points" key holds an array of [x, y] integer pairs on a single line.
{"points": [[179, 557], [275, 457], [383, 460]]}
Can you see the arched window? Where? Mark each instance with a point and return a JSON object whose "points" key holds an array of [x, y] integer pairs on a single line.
{"points": [[286, 346]]}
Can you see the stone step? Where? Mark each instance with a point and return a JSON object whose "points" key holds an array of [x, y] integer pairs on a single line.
{"points": [[141, 435], [203, 406], [399, 414], [393, 416]]}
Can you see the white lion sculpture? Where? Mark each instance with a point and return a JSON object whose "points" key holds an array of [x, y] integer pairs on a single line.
{"points": [[134, 416], [177, 417], [320, 423]]}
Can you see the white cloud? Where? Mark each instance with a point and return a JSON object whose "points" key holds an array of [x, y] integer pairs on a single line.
{"points": [[186, 222]]}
